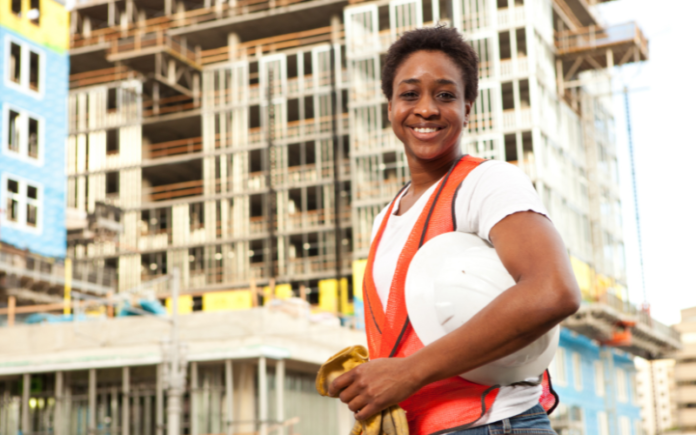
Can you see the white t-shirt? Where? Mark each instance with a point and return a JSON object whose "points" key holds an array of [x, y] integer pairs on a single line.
{"points": [[489, 193]]}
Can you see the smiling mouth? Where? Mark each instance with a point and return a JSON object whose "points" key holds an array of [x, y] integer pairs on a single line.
{"points": [[425, 129]]}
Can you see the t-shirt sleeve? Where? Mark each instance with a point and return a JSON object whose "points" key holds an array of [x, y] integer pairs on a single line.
{"points": [[491, 192]]}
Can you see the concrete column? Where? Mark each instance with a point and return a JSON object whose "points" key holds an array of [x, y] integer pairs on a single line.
{"points": [[58, 410], [280, 394], [232, 46], [436, 10], [229, 398], [263, 397], [92, 402], [159, 403], [193, 417], [26, 385], [125, 401]]}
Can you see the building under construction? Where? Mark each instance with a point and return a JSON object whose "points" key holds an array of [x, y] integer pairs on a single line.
{"points": [[246, 144]]}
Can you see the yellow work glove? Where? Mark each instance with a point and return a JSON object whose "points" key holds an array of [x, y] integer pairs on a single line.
{"points": [[391, 421]]}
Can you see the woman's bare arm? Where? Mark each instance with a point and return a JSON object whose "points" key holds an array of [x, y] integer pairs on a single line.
{"points": [[546, 293]]}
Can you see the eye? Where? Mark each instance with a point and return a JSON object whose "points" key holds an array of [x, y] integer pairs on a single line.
{"points": [[447, 95], [409, 95]]}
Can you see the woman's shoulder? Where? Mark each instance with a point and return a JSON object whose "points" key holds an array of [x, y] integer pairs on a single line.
{"points": [[492, 191]]}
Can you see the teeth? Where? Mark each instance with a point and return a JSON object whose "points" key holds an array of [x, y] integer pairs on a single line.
{"points": [[425, 130]]}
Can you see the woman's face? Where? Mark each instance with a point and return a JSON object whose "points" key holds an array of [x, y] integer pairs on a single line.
{"points": [[427, 109]]}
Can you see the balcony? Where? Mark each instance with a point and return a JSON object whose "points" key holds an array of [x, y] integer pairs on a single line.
{"points": [[172, 148], [616, 322], [512, 122], [511, 17], [596, 47], [511, 68], [685, 372]]}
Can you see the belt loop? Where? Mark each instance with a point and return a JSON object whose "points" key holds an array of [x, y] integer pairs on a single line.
{"points": [[507, 427]]}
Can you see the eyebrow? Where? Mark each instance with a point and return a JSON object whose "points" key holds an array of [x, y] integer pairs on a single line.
{"points": [[439, 81]]}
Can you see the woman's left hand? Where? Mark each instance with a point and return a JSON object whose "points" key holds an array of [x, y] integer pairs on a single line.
{"points": [[374, 386]]}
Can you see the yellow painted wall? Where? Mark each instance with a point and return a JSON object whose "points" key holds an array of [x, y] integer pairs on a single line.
{"points": [[185, 304], [592, 285], [282, 291], [330, 295], [53, 30], [358, 275], [227, 301]]}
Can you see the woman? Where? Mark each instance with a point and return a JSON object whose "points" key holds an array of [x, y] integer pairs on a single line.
{"points": [[430, 79]]}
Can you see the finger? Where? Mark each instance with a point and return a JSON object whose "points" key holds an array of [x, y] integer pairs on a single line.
{"points": [[357, 403], [366, 412], [349, 393], [341, 383]]}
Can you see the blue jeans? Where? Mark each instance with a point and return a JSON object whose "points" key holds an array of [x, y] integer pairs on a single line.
{"points": [[533, 421]]}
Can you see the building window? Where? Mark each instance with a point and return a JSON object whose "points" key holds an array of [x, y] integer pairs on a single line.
{"points": [[17, 7], [599, 378], [34, 14], [34, 66], [112, 141], [15, 63], [24, 135], [624, 425], [12, 200], [25, 66], [577, 371], [603, 423], [22, 200], [558, 368], [621, 395], [13, 131]]}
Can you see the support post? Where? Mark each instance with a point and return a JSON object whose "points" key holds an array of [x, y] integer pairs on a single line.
{"points": [[176, 377], [125, 401], [263, 397], [26, 385], [193, 418], [92, 402], [159, 403], [280, 395], [436, 11], [68, 284], [229, 398], [11, 304], [58, 409]]}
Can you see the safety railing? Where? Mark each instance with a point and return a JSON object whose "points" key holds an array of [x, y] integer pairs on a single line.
{"points": [[173, 148], [593, 37]]}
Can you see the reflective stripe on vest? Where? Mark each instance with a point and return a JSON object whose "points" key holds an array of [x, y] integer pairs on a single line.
{"points": [[450, 404]]}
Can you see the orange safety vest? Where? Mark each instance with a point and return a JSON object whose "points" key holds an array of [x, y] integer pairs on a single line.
{"points": [[450, 404]]}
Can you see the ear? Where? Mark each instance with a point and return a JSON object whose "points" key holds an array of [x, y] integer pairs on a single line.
{"points": [[389, 107], [467, 111]]}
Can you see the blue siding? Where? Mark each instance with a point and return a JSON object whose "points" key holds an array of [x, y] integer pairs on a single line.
{"points": [[588, 399], [52, 107]]}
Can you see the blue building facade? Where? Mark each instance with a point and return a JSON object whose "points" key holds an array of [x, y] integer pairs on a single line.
{"points": [[597, 389], [33, 130]]}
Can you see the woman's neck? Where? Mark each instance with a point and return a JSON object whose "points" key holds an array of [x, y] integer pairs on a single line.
{"points": [[426, 173]]}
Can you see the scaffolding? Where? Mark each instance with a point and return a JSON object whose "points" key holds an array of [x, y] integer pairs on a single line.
{"points": [[247, 142]]}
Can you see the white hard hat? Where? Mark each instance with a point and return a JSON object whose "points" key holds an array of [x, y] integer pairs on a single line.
{"points": [[450, 279]]}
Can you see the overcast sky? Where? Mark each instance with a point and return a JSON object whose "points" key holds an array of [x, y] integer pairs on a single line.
{"points": [[663, 117]]}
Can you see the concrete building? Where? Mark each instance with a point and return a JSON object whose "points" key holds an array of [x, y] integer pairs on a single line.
{"points": [[657, 395], [34, 70], [245, 143], [246, 372], [34, 63], [685, 372]]}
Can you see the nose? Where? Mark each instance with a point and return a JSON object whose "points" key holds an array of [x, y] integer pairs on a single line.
{"points": [[427, 107]]}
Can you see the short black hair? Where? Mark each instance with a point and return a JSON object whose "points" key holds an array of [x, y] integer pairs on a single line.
{"points": [[445, 39]]}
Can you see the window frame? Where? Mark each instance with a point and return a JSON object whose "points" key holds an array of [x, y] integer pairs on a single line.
{"points": [[23, 201], [24, 121], [577, 370], [600, 379], [24, 67]]}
